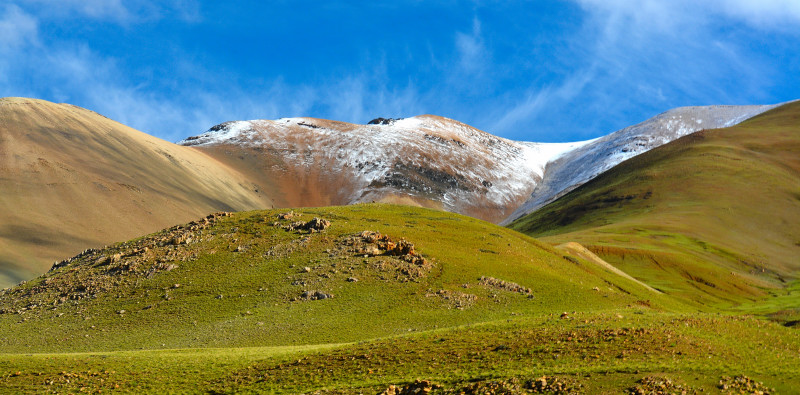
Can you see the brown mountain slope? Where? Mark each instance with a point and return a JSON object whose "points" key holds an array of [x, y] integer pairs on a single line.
{"points": [[71, 179]]}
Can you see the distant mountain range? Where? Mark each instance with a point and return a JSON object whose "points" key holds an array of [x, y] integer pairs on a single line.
{"points": [[73, 179], [436, 162]]}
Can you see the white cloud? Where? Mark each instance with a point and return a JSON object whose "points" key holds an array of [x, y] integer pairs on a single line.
{"points": [[97, 8], [648, 55], [663, 15], [471, 49], [77, 74], [17, 28], [117, 11], [765, 14], [537, 102]]}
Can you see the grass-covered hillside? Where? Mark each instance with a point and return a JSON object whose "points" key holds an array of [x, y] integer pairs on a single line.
{"points": [[253, 279], [712, 218], [359, 299]]}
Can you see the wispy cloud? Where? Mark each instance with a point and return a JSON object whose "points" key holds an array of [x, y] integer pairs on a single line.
{"points": [[117, 11], [666, 15], [651, 55], [76, 73], [517, 116], [18, 30], [472, 53], [766, 14], [17, 27]]}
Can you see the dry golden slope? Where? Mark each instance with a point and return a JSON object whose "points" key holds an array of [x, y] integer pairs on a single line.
{"points": [[71, 179]]}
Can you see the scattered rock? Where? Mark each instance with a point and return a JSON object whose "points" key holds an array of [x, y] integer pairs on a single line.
{"points": [[542, 385], [121, 263], [655, 385], [417, 387], [552, 385], [288, 215], [505, 285], [743, 385], [401, 255], [315, 295], [352, 280], [315, 225], [455, 300]]}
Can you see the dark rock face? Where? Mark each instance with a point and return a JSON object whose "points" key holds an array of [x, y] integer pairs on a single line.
{"points": [[383, 121], [222, 126], [423, 180]]}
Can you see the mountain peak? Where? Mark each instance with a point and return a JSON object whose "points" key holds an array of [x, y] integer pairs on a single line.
{"points": [[428, 160]]}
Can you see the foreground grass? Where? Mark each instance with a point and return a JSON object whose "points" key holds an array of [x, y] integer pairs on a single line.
{"points": [[219, 309], [590, 352]]}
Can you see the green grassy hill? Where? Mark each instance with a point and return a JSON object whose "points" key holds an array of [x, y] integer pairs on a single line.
{"points": [[240, 281], [382, 295], [712, 218]]}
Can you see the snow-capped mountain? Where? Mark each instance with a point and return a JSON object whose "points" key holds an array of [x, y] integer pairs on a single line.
{"points": [[426, 160], [435, 161]]}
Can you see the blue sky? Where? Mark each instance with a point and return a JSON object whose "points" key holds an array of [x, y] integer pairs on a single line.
{"points": [[539, 70]]}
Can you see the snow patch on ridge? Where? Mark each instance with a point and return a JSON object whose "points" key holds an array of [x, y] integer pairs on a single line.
{"points": [[582, 164]]}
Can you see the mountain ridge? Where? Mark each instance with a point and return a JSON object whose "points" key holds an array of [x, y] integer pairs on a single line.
{"points": [[591, 160], [438, 162]]}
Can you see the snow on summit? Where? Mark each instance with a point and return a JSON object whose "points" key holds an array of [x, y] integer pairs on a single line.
{"points": [[439, 162], [426, 157]]}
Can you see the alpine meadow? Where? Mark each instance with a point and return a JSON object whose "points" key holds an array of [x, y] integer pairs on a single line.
{"points": [[399, 198]]}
